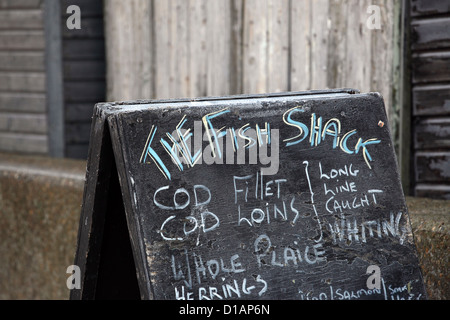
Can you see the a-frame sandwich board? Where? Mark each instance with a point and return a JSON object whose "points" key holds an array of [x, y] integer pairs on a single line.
{"points": [[277, 196]]}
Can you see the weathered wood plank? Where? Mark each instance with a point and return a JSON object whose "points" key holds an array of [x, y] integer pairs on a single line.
{"points": [[21, 19], [90, 28], [22, 40], [432, 134], [20, 4], [384, 60], [300, 45], [319, 37], [429, 7], [24, 143], [337, 45], [88, 8], [431, 100], [114, 76], [162, 46], [432, 191], [171, 69], [179, 31], [431, 67], [142, 30], [199, 46], [22, 61], [432, 167], [86, 49], [86, 70], [77, 112], [170, 49], [278, 46], [22, 102], [81, 92], [22, 82], [430, 34], [358, 60], [236, 45], [218, 55], [24, 123], [255, 47], [266, 46]]}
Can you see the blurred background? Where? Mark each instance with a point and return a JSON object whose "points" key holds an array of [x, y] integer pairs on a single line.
{"points": [[58, 58]]}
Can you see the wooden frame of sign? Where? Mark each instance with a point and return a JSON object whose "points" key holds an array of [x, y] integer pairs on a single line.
{"points": [[279, 196]]}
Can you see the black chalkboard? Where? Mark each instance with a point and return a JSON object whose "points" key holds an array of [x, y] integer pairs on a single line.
{"points": [[281, 196]]}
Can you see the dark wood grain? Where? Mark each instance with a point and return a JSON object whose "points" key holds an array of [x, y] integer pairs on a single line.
{"points": [[431, 100], [433, 167], [429, 7], [432, 134]]}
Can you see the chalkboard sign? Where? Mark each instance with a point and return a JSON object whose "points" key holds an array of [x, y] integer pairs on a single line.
{"points": [[281, 196]]}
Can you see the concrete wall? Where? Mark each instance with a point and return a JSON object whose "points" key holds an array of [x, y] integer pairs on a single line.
{"points": [[40, 204]]}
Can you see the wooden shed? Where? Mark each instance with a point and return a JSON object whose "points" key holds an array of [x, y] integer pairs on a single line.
{"points": [[430, 65], [50, 76]]}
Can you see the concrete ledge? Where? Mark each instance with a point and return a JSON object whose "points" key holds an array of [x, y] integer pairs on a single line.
{"points": [[40, 204]]}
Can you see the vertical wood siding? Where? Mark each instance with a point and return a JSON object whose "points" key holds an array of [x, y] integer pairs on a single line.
{"points": [[192, 48]]}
